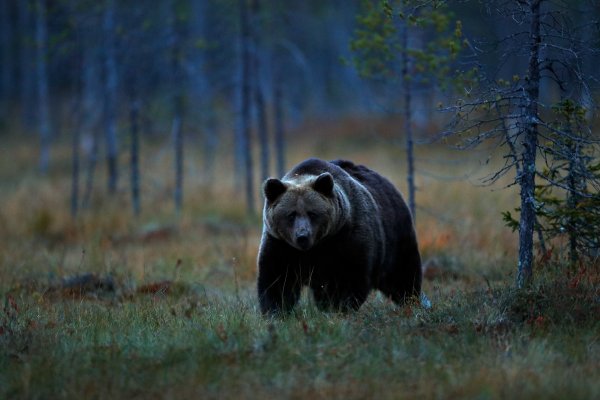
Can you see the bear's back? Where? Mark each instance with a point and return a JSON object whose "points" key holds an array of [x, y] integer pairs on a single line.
{"points": [[369, 178], [393, 211], [383, 191]]}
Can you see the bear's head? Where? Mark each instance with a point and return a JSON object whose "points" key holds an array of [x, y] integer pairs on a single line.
{"points": [[304, 209]]}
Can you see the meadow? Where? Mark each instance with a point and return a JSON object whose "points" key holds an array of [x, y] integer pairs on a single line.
{"points": [[109, 305]]}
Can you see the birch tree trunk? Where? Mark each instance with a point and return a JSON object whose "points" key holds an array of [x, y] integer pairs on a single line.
{"points": [[530, 142]]}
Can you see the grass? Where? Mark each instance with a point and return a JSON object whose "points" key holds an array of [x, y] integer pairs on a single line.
{"points": [[196, 345], [112, 306]]}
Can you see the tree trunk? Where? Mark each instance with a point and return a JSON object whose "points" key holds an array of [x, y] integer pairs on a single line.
{"points": [[110, 96], [75, 161], [261, 113], [41, 40], [6, 89], [245, 87], [203, 89], [239, 130], [26, 88], [178, 105], [178, 147], [572, 200], [210, 144], [263, 133], [90, 114], [91, 169], [530, 142], [406, 88], [135, 152], [279, 127], [576, 183]]}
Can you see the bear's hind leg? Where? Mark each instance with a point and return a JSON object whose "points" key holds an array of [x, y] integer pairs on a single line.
{"points": [[403, 283], [403, 287]]}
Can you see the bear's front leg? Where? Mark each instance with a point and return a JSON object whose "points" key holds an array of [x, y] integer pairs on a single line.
{"points": [[277, 293], [342, 276], [341, 284], [278, 285]]}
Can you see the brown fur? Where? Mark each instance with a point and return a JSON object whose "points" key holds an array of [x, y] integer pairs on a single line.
{"points": [[340, 229]]}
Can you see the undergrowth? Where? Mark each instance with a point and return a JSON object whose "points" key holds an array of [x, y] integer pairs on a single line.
{"points": [[498, 341]]}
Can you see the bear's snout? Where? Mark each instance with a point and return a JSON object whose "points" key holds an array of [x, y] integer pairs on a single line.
{"points": [[302, 234], [303, 241]]}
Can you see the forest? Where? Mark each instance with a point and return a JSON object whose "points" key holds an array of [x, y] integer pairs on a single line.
{"points": [[136, 137]]}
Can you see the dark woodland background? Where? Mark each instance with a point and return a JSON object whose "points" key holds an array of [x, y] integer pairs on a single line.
{"points": [[135, 136], [99, 70]]}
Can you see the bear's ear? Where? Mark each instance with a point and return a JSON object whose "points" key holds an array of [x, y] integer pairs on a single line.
{"points": [[273, 188], [324, 184]]}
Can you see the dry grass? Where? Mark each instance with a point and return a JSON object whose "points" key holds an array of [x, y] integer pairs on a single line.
{"points": [[213, 234]]}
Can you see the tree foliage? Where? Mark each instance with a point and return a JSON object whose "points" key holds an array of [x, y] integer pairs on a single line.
{"points": [[408, 43], [378, 44], [568, 197]]}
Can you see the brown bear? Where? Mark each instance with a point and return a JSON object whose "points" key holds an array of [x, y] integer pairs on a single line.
{"points": [[339, 228]]}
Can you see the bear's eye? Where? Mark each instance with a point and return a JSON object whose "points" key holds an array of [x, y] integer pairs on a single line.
{"points": [[291, 216], [312, 214]]}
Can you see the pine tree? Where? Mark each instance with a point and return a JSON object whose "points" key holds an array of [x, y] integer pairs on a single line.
{"points": [[383, 52]]}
